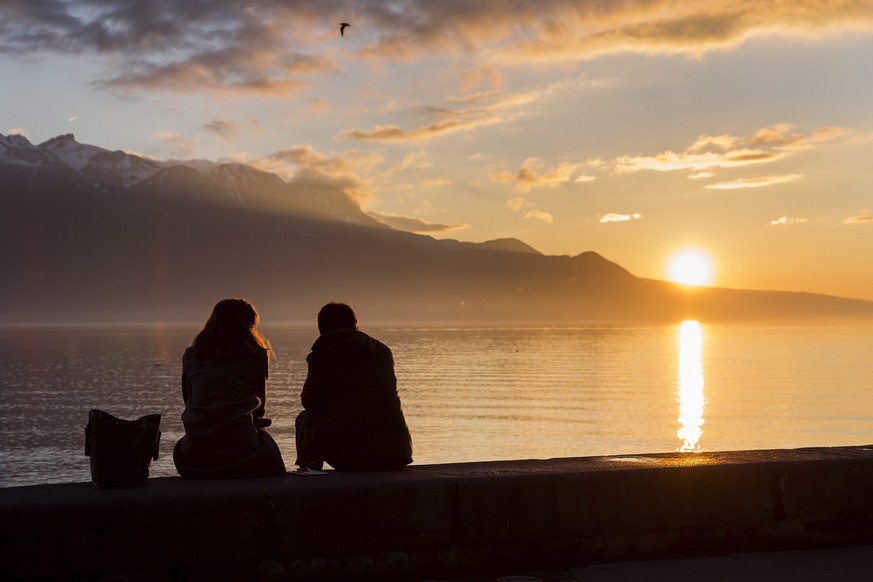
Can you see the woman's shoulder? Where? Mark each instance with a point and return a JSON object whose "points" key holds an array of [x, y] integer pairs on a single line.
{"points": [[189, 355]]}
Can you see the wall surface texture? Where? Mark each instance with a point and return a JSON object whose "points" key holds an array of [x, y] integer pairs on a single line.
{"points": [[434, 519]]}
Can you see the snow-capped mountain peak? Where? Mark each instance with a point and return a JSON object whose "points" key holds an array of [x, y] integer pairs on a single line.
{"points": [[95, 164], [121, 168], [69, 151], [118, 171], [14, 141], [17, 149]]}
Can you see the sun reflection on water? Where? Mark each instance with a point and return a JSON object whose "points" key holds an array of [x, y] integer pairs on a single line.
{"points": [[689, 391]]}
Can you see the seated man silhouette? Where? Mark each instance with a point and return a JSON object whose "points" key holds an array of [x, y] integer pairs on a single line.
{"points": [[352, 417]]}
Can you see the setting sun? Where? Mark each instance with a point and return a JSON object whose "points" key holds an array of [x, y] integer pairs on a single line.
{"points": [[690, 267]]}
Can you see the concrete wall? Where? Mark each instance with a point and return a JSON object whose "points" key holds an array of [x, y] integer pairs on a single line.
{"points": [[429, 520]]}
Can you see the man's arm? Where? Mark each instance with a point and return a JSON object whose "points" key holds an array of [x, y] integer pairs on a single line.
{"points": [[314, 395]]}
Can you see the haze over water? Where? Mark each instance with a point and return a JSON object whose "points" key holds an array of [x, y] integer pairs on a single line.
{"points": [[473, 394]]}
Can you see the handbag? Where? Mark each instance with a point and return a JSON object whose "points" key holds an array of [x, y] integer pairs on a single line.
{"points": [[121, 451]]}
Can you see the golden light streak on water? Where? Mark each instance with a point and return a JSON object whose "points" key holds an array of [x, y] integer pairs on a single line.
{"points": [[689, 393]]}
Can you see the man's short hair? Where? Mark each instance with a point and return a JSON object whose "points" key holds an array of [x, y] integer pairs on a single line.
{"points": [[336, 316]]}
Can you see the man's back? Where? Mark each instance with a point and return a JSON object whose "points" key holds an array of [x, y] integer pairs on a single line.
{"points": [[352, 388]]}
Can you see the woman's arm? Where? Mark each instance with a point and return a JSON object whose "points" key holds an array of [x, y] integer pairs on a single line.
{"points": [[261, 392], [261, 386], [186, 383]]}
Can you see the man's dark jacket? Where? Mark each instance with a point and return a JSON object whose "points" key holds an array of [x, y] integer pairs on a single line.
{"points": [[351, 385]]}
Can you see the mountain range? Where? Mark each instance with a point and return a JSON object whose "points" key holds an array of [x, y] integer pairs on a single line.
{"points": [[93, 235]]}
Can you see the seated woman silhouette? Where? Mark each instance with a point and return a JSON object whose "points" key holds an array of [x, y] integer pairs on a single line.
{"points": [[224, 388]]}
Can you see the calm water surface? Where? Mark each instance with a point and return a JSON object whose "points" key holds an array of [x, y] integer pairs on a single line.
{"points": [[472, 394]]}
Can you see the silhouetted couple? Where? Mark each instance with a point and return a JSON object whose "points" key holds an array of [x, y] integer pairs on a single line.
{"points": [[353, 419]]}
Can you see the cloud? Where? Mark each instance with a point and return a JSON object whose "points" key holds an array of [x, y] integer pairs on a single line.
{"points": [[709, 152], [860, 138], [348, 172], [223, 45], [18, 131], [412, 224], [785, 220], [569, 30], [516, 204], [863, 217], [670, 161], [539, 215], [465, 112], [757, 182], [613, 217], [272, 46], [690, 28], [319, 105], [354, 172], [396, 133], [783, 136], [409, 160], [233, 71], [175, 144], [228, 130], [484, 109], [535, 173]]}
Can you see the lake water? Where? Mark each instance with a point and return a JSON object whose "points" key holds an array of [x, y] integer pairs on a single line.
{"points": [[472, 394]]}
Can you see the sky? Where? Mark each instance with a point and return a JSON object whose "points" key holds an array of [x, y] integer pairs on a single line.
{"points": [[741, 130]]}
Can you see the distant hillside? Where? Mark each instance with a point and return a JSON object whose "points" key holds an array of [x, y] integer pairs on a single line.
{"points": [[89, 234]]}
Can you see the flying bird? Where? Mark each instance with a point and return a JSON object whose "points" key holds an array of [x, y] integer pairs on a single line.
{"points": [[343, 26]]}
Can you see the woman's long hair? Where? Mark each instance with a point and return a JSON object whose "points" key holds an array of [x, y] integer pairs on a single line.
{"points": [[231, 330]]}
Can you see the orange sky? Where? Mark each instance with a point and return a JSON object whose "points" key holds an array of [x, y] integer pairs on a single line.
{"points": [[634, 129]]}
